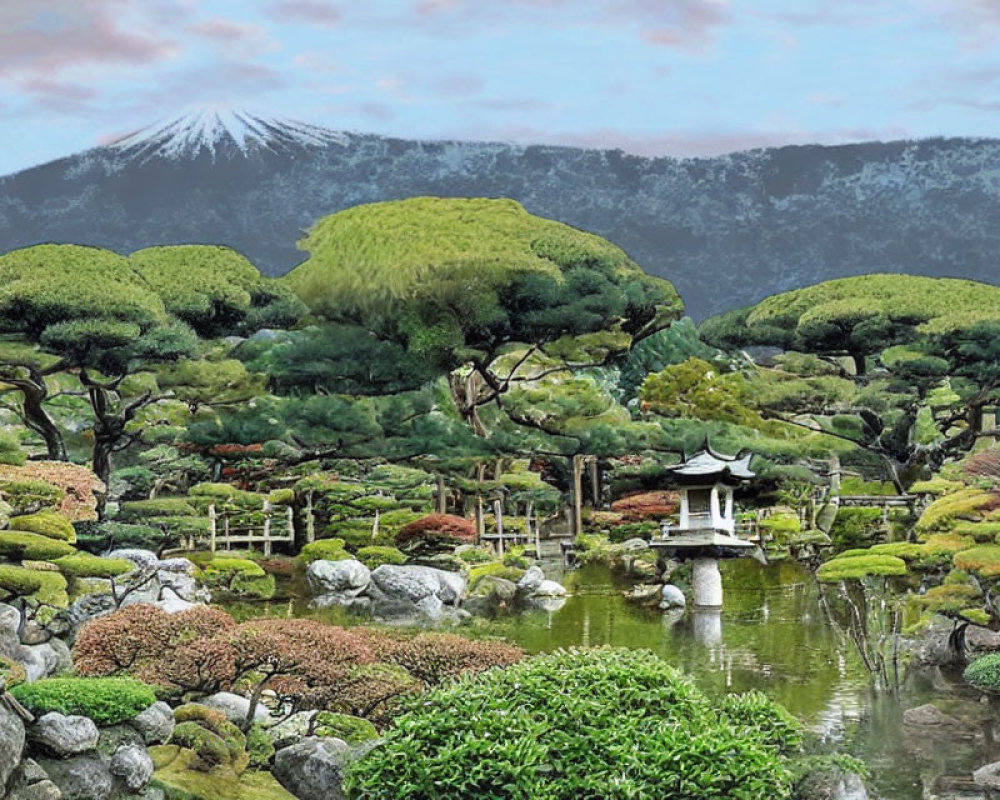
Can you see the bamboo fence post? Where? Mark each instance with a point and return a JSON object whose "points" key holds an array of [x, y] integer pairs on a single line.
{"points": [[267, 528], [212, 527]]}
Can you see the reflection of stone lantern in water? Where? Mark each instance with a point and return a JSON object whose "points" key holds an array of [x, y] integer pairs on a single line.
{"points": [[707, 530]]}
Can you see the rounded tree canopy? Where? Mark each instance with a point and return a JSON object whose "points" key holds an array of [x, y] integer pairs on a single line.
{"points": [[858, 316], [441, 274]]}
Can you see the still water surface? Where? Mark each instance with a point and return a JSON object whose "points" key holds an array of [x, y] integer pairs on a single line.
{"points": [[772, 635]]}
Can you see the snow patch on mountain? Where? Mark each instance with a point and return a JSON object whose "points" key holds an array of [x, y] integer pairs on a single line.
{"points": [[223, 133]]}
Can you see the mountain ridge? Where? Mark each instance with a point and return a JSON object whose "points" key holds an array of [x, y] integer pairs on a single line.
{"points": [[727, 230]]}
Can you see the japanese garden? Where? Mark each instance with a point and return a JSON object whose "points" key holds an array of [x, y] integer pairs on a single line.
{"points": [[465, 506]]}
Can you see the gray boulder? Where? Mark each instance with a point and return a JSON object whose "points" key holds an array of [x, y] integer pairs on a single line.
{"points": [[63, 735], [531, 579], [141, 558], [235, 707], [156, 724], [832, 784], [347, 577], [988, 777], [31, 782], [312, 769], [132, 765], [291, 729], [548, 589], [80, 778], [431, 607], [11, 743], [672, 597], [414, 583]]}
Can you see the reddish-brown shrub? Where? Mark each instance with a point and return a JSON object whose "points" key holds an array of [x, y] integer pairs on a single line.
{"points": [[435, 657], [985, 464], [437, 529], [647, 506]]}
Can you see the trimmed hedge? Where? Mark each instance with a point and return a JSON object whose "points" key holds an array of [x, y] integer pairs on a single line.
{"points": [[46, 523], [860, 566], [141, 510], [376, 556], [324, 550], [87, 565], [107, 701]]}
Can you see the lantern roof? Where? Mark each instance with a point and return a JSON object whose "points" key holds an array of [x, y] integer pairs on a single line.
{"points": [[706, 465]]}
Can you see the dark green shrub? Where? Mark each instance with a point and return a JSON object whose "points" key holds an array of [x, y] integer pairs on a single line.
{"points": [[141, 510], [633, 530], [376, 556], [240, 576], [600, 723], [18, 546], [857, 527], [984, 672], [97, 537], [45, 523], [132, 483], [107, 701]]}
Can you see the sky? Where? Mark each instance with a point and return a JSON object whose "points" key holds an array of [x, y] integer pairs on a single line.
{"points": [[652, 77]]}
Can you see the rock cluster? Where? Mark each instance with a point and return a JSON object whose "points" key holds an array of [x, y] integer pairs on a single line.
{"points": [[415, 592], [67, 756]]}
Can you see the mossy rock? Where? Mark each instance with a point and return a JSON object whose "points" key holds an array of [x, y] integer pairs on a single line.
{"points": [[981, 532], [46, 523], [30, 496], [142, 510], [966, 504], [180, 781], [857, 567], [11, 672], [477, 573], [17, 581], [86, 565], [936, 486], [23, 546], [950, 598], [211, 736], [353, 730]]}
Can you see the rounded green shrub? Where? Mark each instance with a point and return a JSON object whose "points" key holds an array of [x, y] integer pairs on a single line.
{"points": [[324, 550], [476, 574], [984, 672], [20, 546], [240, 576], [376, 556], [87, 565], [27, 497], [141, 510], [579, 724], [260, 748], [97, 537], [107, 701], [46, 523], [353, 730]]}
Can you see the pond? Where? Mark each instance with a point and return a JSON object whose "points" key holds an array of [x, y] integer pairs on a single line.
{"points": [[772, 634]]}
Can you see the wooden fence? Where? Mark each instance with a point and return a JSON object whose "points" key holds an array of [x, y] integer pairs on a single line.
{"points": [[224, 531]]}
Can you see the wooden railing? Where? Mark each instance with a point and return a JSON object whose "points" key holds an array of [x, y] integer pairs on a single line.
{"points": [[223, 532]]}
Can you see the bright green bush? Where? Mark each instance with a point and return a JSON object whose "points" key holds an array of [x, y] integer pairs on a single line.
{"points": [[965, 504], [984, 672], [260, 748], [982, 532], [240, 576], [860, 566], [353, 730], [86, 565], [983, 560], [107, 701], [579, 724], [46, 523], [18, 546], [475, 555], [633, 530], [324, 550], [376, 556]]}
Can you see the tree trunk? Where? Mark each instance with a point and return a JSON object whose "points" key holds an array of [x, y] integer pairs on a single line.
{"points": [[595, 482], [577, 493], [442, 497], [860, 365], [34, 392]]}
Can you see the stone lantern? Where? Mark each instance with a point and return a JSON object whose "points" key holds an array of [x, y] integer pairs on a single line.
{"points": [[706, 531]]}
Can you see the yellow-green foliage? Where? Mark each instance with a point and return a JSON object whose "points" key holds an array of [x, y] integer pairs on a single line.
{"points": [[18, 581], [376, 556], [20, 546], [86, 565], [860, 566], [950, 598], [366, 258], [46, 523], [940, 304], [936, 486], [177, 776], [981, 532], [965, 504], [983, 560], [476, 574], [937, 550], [225, 494], [239, 576], [781, 525], [324, 550]]}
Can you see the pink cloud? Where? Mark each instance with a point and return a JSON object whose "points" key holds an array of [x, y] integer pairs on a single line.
{"points": [[70, 34], [310, 12], [227, 31]]}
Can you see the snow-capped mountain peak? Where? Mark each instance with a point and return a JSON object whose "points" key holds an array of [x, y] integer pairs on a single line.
{"points": [[223, 132]]}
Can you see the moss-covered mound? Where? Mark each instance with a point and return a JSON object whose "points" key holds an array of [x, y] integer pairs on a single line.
{"points": [[107, 701], [983, 560], [862, 565], [46, 523], [178, 778], [20, 546], [239, 576]]}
